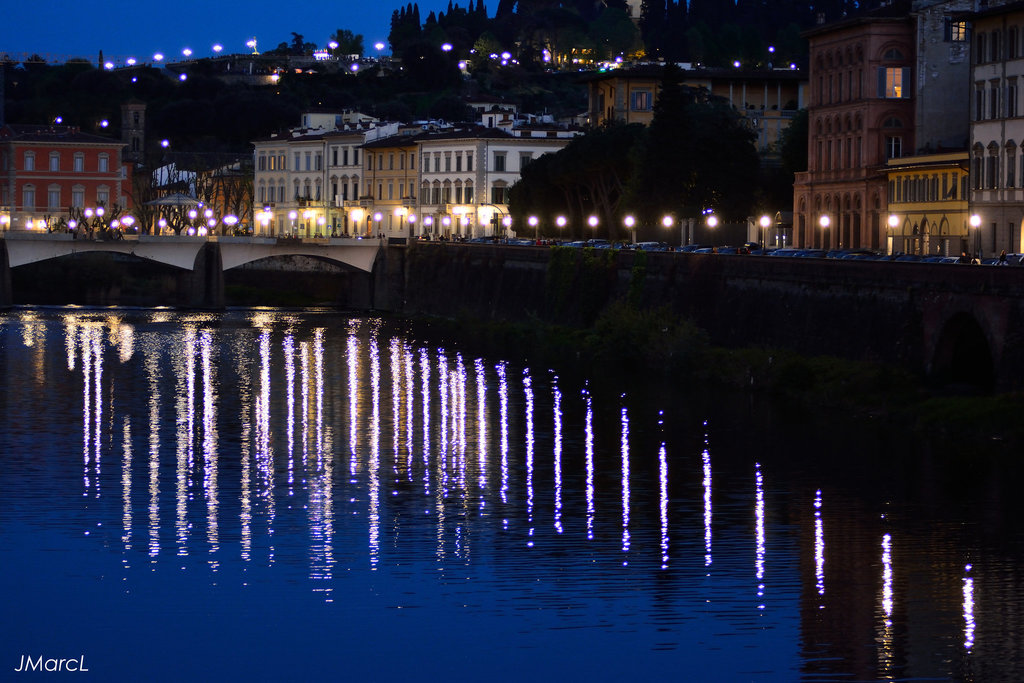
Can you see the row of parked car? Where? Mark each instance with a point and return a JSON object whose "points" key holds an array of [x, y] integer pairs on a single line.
{"points": [[756, 249]]}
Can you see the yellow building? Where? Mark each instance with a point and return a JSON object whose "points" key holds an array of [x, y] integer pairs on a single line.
{"points": [[928, 207], [387, 204]]}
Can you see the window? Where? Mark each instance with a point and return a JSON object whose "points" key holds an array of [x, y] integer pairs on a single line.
{"points": [[499, 195], [334, 156], [28, 198], [54, 161], [426, 162], [1011, 100], [893, 146], [524, 159], [261, 162], [954, 31], [458, 194], [458, 163], [298, 160], [641, 100], [499, 162], [104, 163], [448, 162], [53, 198], [78, 196], [1011, 42], [467, 194], [319, 161], [979, 103], [309, 158], [469, 162], [893, 82], [437, 162], [103, 195], [992, 171], [391, 161], [412, 161], [30, 161], [1011, 166], [979, 50], [78, 162]]}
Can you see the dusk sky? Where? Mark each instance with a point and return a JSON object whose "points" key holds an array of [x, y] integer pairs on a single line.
{"points": [[121, 29]]}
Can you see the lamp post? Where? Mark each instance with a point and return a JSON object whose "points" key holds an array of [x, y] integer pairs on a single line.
{"points": [[765, 222], [824, 222], [593, 221], [630, 222], [894, 222], [292, 216], [560, 221], [378, 217], [667, 221], [535, 224], [975, 247]]}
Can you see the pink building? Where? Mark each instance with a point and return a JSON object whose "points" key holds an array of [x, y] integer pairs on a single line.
{"points": [[860, 115], [45, 170]]}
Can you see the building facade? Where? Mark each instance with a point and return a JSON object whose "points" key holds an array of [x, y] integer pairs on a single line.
{"points": [[47, 170], [928, 211], [768, 99], [997, 129], [465, 176], [860, 115], [306, 179]]}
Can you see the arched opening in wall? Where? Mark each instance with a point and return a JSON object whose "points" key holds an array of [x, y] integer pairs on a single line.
{"points": [[963, 359]]}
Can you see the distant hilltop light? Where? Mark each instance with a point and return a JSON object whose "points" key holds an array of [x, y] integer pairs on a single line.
{"points": [[218, 47], [187, 52], [104, 123], [108, 65], [130, 61], [158, 57]]}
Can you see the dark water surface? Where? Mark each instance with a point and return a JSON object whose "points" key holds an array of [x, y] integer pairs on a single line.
{"points": [[268, 495]]}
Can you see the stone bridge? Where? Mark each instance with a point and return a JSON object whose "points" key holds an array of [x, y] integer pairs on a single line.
{"points": [[205, 259]]}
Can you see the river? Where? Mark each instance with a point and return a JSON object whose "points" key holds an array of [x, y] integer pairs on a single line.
{"points": [[282, 495]]}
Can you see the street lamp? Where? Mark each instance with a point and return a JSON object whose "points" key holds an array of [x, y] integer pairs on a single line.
{"points": [[667, 221], [560, 222], [629, 222], [712, 221], [534, 223], [230, 221], [976, 224], [824, 222], [894, 222], [378, 217], [765, 221], [292, 216]]}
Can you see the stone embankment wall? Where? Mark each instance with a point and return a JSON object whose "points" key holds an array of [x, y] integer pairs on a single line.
{"points": [[910, 314]]}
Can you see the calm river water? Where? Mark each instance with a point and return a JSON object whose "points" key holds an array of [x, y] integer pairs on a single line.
{"points": [[273, 495]]}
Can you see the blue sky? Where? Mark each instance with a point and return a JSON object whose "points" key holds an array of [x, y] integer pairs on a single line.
{"points": [[121, 29]]}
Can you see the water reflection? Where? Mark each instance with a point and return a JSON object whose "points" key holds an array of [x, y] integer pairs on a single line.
{"points": [[211, 444]]}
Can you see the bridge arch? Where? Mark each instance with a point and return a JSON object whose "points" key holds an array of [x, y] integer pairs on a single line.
{"points": [[963, 356]]}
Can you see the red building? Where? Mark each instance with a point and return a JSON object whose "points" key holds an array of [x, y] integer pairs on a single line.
{"points": [[861, 114], [46, 170]]}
